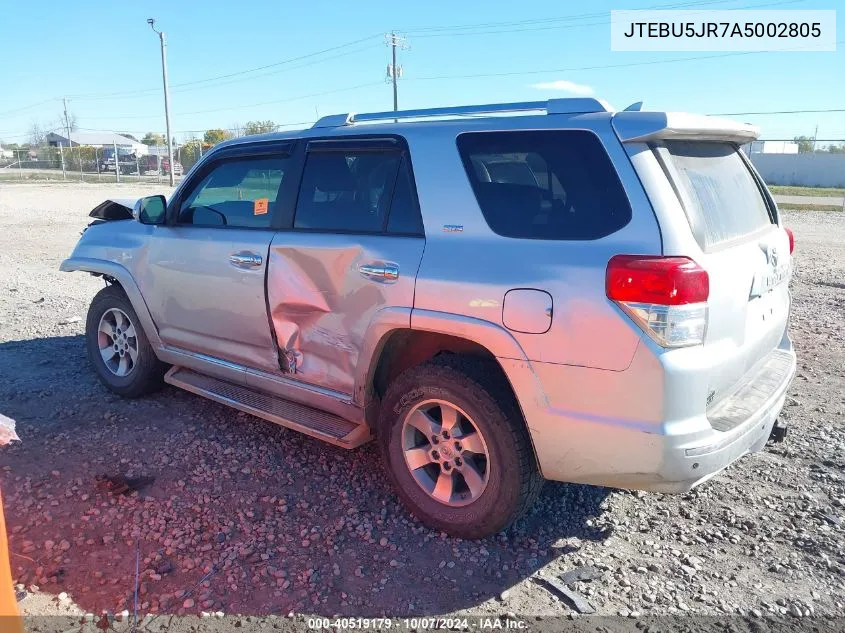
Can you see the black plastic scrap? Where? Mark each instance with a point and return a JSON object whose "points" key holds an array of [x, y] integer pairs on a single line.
{"points": [[120, 485], [561, 587]]}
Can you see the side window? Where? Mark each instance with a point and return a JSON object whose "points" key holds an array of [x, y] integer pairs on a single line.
{"points": [[238, 192], [551, 185], [346, 190], [404, 212]]}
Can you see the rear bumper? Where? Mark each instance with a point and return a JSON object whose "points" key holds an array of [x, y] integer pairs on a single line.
{"points": [[668, 456]]}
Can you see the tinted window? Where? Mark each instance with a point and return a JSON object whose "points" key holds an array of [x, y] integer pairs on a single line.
{"points": [[554, 185], [346, 190], [721, 198], [237, 192], [404, 212]]}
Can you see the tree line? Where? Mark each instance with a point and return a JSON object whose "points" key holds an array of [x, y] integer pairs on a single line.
{"points": [[38, 134], [808, 144]]}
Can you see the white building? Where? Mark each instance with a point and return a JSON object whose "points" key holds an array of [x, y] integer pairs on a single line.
{"points": [[773, 147], [97, 139]]}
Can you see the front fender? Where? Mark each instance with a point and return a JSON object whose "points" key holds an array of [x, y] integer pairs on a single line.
{"points": [[122, 276]]}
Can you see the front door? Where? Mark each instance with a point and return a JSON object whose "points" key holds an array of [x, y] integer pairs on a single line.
{"points": [[354, 249], [204, 283]]}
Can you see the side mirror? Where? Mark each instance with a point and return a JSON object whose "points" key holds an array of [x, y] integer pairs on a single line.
{"points": [[150, 210]]}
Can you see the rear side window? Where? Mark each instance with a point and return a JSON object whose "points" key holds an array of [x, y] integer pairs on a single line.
{"points": [[719, 194], [551, 185], [236, 193], [346, 190]]}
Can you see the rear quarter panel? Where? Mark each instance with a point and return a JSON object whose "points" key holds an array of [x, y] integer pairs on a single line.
{"points": [[469, 271]]}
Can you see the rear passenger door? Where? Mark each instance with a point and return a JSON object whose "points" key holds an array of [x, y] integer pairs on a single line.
{"points": [[205, 280], [353, 249]]}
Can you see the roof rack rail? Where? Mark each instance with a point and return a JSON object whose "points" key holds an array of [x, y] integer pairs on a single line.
{"points": [[580, 105]]}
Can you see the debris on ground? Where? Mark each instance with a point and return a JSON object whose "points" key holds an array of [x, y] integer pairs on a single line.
{"points": [[580, 574], [570, 596], [120, 485]]}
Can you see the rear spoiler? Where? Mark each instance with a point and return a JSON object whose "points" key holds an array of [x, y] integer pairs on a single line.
{"points": [[641, 127]]}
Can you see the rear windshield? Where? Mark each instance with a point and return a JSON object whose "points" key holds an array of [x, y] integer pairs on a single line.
{"points": [[551, 185], [720, 195]]}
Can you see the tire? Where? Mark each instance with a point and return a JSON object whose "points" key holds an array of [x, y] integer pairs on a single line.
{"points": [[141, 374], [479, 392]]}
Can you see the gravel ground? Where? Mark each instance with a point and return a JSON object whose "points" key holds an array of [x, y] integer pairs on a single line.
{"points": [[229, 513]]}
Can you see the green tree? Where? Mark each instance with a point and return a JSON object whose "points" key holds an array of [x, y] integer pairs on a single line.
{"points": [[259, 127], [190, 152], [215, 136], [836, 149], [805, 144], [151, 138]]}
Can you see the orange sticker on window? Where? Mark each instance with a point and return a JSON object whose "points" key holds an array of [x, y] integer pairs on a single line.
{"points": [[260, 206]]}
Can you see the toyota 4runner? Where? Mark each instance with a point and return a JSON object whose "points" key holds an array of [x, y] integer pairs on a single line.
{"points": [[565, 292]]}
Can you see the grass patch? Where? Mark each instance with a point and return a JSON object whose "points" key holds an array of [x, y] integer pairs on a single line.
{"points": [[785, 206], [807, 191]]}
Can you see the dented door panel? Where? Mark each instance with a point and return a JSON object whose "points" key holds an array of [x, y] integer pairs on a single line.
{"points": [[323, 290]]}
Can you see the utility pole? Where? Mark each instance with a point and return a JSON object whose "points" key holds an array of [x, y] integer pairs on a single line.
{"points": [[815, 136], [161, 37], [70, 142], [67, 121], [394, 72]]}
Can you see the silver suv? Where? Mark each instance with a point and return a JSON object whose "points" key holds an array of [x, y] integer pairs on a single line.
{"points": [[567, 292]]}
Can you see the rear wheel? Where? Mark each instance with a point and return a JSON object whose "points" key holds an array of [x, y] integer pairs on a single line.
{"points": [[118, 348], [456, 448]]}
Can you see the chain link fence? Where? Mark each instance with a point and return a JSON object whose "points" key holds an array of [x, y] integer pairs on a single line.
{"points": [[94, 164]]}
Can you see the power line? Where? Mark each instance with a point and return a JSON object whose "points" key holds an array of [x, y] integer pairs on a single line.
{"points": [[569, 25], [424, 32], [29, 107], [253, 105], [241, 79], [92, 96], [568, 18], [607, 66], [781, 112]]}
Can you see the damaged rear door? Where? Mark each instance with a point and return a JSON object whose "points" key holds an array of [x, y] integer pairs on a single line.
{"points": [[354, 249]]}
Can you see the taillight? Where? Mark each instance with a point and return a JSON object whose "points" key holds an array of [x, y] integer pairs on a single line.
{"points": [[791, 240], [665, 296]]}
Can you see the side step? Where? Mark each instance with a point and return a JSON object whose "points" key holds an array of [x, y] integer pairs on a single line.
{"points": [[319, 424]]}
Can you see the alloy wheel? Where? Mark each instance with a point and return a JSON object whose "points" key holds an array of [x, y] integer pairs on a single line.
{"points": [[445, 452], [117, 341]]}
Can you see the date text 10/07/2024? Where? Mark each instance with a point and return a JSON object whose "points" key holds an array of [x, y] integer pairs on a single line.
{"points": [[421, 623]]}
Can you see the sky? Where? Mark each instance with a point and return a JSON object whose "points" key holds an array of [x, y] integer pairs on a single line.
{"points": [[291, 62]]}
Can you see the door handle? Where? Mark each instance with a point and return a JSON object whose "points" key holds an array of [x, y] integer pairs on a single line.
{"points": [[245, 259], [387, 272]]}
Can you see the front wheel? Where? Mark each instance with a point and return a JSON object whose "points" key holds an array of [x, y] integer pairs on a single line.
{"points": [[118, 348], [456, 447]]}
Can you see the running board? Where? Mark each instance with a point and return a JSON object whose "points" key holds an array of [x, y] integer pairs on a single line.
{"points": [[319, 424]]}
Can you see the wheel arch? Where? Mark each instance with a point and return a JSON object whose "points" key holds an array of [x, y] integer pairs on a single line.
{"points": [[119, 275], [402, 338]]}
